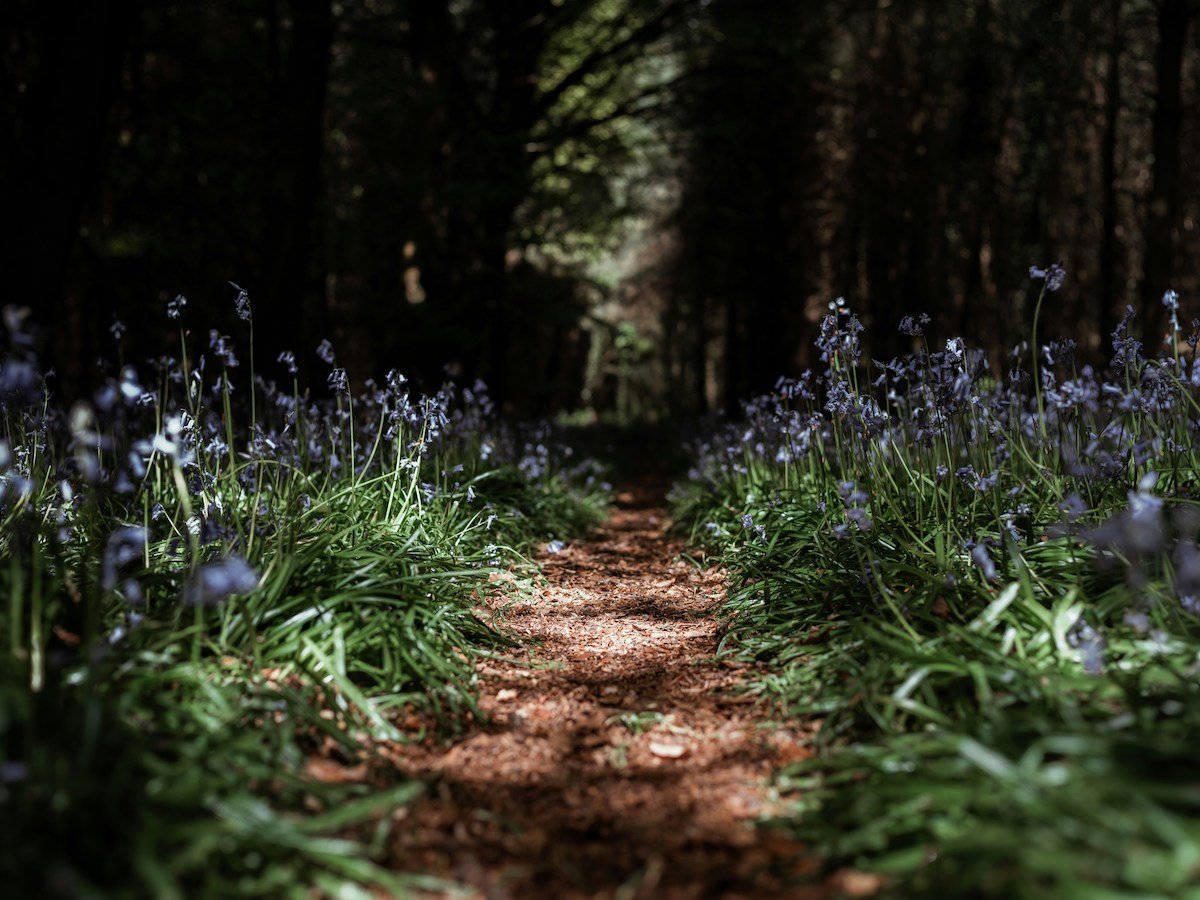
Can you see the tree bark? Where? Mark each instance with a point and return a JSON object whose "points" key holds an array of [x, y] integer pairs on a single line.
{"points": [[290, 298], [1174, 16], [53, 156], [1110, 247]]}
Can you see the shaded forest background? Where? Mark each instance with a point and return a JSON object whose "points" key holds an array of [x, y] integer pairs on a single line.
{"points": [[630, 206]]}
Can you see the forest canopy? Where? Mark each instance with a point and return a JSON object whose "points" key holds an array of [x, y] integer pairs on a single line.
{"points": [[631, 206]]}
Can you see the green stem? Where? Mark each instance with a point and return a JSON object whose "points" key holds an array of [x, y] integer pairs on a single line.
{"points": [[1033, 352]]}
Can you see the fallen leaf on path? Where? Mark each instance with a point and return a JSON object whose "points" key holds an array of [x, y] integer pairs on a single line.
{"points": [[329, 772], [67, 637], [788, 753], [667, 751], [853, 883]]}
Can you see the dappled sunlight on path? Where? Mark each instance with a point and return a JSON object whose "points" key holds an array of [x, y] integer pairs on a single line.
{"points": [[619, 764]]}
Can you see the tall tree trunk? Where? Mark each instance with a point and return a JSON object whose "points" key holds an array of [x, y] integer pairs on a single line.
{"points": [[735, 344], [518, 43], [978, 147], [699, 352], [290, 299], [1110, 247], [480, 135], [1174, 17], [50, 167]]}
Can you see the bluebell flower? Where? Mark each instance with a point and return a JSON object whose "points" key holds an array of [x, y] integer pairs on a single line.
{"points": [[131, 590], [13, 771], [1090, 645], [222, 348], [217, 581], [20, 380], [130, 389], [1072, 507], [125, 546], [914, 327], [242, 303], [1053, 275], [396, 382], [1186, 575], [956, 350], [1138, 531], [1126, 349], [983, 559], [1138, 621], [1170, 300], [325, 352], [860, 517], [1059, 351]]}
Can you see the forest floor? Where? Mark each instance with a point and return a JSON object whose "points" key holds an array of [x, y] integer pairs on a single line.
{"points": [[618, 760]]}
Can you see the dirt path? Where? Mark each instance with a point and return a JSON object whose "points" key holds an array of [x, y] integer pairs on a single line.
{"points": [[620, 765]]}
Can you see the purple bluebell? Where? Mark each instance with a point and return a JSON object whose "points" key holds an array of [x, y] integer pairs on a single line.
{"points": [[325, 352], [983, 559], [1053, 276], [914, 327], [125, 546], [222, 348], [241, 303], [217, 581], [1170, 300]]}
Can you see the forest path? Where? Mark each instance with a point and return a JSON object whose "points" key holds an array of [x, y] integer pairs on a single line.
{"points": [[619, 765]]}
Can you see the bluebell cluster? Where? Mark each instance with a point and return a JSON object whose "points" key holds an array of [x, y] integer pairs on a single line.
{"points": [[981, 576], [151, 447], [1112, 445], [211, 575]]}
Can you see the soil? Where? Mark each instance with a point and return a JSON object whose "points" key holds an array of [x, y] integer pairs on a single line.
{"points": [[619, 760]]}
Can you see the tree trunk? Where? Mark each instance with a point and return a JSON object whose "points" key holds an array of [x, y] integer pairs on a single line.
{"points": [[1173, 19], [289, 301], [978, 148], [518, 44], [1110, 247], [51, 162]]}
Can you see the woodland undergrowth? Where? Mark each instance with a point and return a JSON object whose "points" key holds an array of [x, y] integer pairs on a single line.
{"points": [[210, 577], [981, 587]]}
